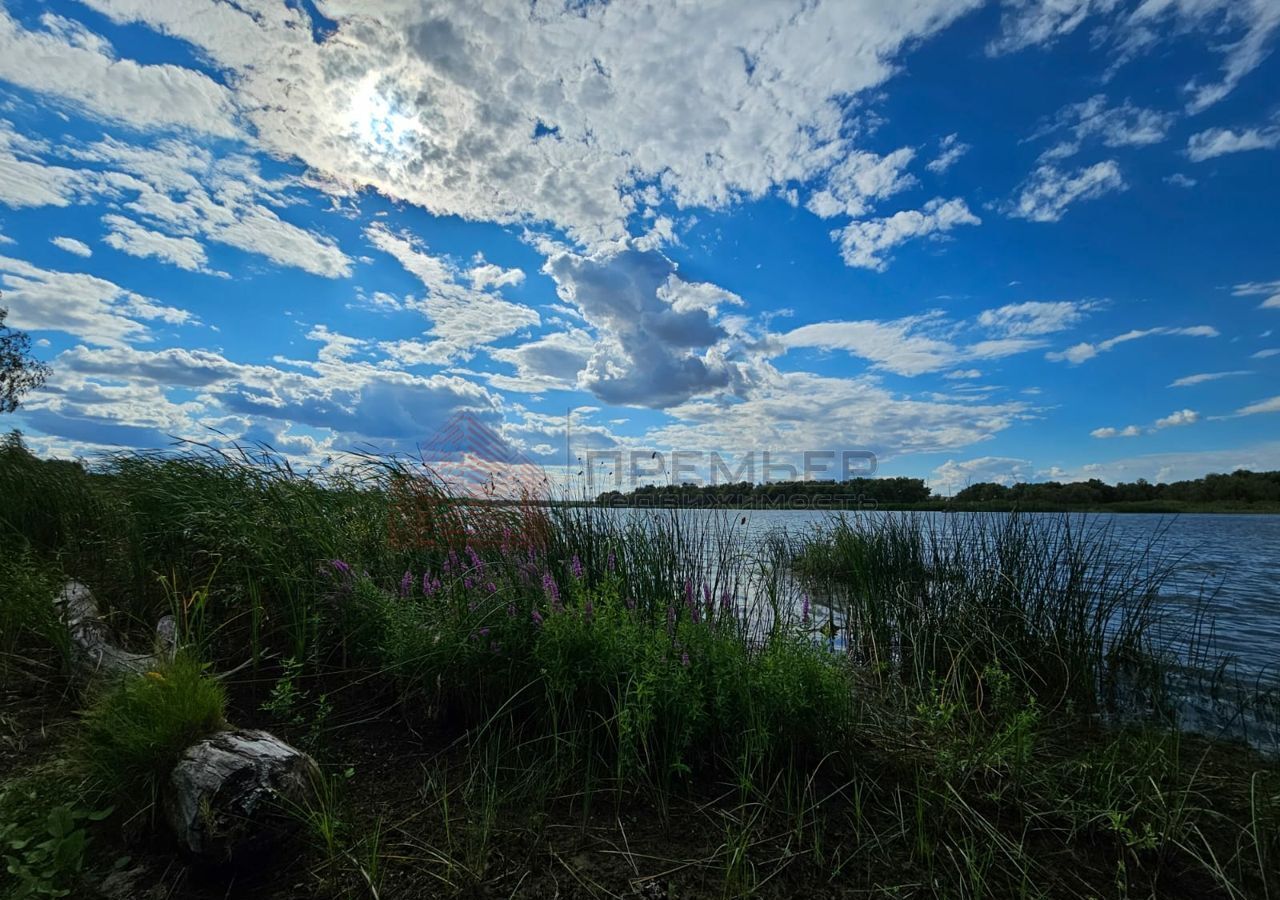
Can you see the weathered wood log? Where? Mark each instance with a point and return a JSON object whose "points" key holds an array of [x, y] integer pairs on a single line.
{"points": [[236, 793], [91, 640], [229, 795]]}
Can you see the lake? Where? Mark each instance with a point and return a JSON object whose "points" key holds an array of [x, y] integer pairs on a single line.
{"points": [[1226, 566]]}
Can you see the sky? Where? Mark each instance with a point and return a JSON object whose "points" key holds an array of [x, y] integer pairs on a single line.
{"points": [[983, 241]]}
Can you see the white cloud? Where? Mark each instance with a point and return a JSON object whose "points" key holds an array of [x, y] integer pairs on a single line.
{"points": [[1027, 23], [950, 149], [1219, 141], [954, 475], [1177, 179], [26, 180], [511, 113], [179, 190], [1085, 351], [1048, 191], [1266, 354], [649, 352], [1127, 431], [1177, 418], [129, 237], [1191, 380], [1166, 467], [1268, 289], [859, 179], [119, 395], [1035, 317], [896, 346], [549, 363], [84, 306], [71, 245], [69, 62], [1124, 125], [864, 243], [462, 317], [916, 345], [1137, 29], [802, 410], [963, 374], [1262, 406]]}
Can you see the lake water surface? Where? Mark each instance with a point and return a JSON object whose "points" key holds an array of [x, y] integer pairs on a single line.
{"points": [[1226, 567]]}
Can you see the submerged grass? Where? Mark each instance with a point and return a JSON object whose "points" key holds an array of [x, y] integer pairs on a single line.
{"points": [[524, 700]]}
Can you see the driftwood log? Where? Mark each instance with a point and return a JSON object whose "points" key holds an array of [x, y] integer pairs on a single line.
{"points": [[91, 643], [229, 795]]}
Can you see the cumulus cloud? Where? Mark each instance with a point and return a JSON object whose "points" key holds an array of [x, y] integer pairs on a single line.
{"points": [[129, 237], [1214, 142], [462, 317], [71, 245], [916, 345], [106, 394], [1127, 431], [1177, 418], [1035, 317], [803, 410], [955, 474], [950, 149], [1048, 191], [69, 62], [1123, 125], [864, 243], [84, 306], [505, 112], [650, 352], [26, 180], [551, 362], [1085, 351]]}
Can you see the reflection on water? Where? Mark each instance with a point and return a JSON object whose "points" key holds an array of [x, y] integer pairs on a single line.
{"points": [[1223, 576]]}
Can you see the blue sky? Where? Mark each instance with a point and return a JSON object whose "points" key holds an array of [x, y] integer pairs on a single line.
{"points": [[985, 241]]}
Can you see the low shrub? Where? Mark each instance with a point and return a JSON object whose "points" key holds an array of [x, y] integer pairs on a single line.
{"points": [[134, 729]]}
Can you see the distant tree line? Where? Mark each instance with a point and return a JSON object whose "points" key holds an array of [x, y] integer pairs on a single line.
{"points": [[776, 494], [1240, 488]]}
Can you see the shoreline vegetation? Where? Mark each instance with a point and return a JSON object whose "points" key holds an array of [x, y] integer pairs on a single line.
{"points": [[1239, 492], [549, 701]]}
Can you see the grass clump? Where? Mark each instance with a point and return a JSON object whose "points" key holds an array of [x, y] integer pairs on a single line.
{"points": [[134, 729]]}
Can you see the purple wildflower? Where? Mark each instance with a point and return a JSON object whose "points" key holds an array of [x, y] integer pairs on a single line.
{"points": [[511, 610], [688, 592], [684, 659], [612, 563], [491, 588], [468, 582], [537, 617], [484, 632], [406, 583], [804, 610], [551, 589], [726, 601], [576, 566], [342, 567], [476, 562]]}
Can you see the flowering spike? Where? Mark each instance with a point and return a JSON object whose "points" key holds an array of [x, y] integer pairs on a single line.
{"points": [[576, 566]]}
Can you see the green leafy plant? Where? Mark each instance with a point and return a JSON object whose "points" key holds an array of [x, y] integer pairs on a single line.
{"points": [[134, 729]]}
